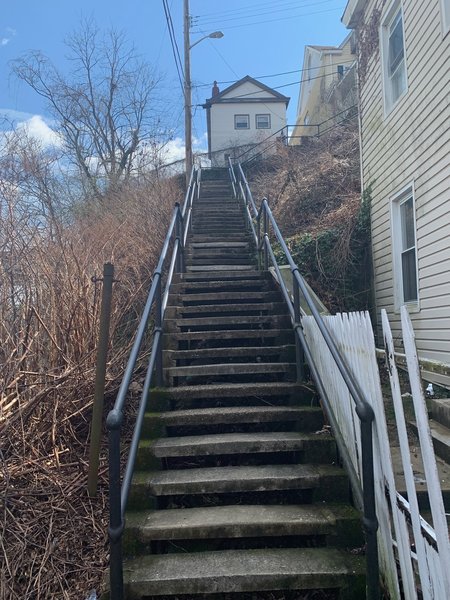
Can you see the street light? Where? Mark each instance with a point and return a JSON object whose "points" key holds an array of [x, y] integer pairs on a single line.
{"points": [[214, 35], [188, 88]]}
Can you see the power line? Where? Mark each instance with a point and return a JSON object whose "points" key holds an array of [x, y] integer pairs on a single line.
{"points": [[221, 56], [277, 10], [281, 18], [344, 62], [278, 87], [173, 43], [250, 7]]}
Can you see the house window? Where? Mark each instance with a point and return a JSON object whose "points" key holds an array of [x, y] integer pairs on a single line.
{"points": [[394, 64], [242, 121], [445, 10], [404, 247], [262, 121]]}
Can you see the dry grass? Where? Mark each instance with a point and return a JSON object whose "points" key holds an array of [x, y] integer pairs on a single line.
{"points": [[314, 193], [53, 537], [315, 184]]}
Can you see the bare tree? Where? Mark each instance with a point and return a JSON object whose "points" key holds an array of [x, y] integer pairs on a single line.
{"points": [[104, 109]]}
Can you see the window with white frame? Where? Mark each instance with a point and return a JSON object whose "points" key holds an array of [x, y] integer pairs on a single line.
{"points": [[405, 247], [262, 121], [445, 10], [242, 121], [394, 59]]}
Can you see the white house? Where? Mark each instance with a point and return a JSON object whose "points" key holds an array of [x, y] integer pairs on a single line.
{"points": [[241, 116], [404, 86]]}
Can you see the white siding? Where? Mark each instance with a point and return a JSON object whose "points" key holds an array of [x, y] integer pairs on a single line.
{"points": [[412, 144], [223, 133]]}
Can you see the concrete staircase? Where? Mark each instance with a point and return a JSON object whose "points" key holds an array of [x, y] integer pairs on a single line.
{"points": [[236, 493]]}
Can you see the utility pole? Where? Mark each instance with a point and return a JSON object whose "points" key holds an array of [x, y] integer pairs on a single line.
{"points": [[187, 93]]}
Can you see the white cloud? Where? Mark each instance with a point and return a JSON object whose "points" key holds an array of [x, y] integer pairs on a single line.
{"points": [[10, 33], [14, 116], [34, 125], [174, 150], [38, 129]]}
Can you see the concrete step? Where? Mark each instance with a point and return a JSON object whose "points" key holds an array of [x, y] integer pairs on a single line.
{"points": [[284, 353], [440, 410], [218, 323], [248, 521], [201, 238], [219, 252], [257, 308], [246, 571], [224, 267], [221, 220], [222, 260], [224, 298], [218, 244], [313, 448], [230, 395], [201, 422], [219, 249], [223, 212], [210, 339], [440, 436], [222, 277], [324, 480], [306, 417], [230, 371]]}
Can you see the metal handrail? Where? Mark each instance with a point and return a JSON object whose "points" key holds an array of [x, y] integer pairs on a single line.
{"points": [[364, 495], [284, 134], [157, 300]]}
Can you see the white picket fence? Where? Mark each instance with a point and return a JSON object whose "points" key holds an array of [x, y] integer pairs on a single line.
{"points": [[400, 523]]}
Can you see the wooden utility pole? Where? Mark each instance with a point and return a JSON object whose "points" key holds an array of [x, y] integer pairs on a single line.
{"points": [[187, 93]]}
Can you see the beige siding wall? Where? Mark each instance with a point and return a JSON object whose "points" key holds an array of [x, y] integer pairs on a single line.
{"points": [[412, 145]]}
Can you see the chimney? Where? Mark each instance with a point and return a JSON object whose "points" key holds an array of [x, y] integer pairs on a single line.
{"points": [[215, 90]]}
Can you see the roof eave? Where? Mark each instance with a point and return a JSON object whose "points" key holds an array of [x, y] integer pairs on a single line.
{"points": [[352, 13]]}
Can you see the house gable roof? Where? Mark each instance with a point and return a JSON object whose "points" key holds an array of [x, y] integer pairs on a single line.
{"points": [[222, 97]]}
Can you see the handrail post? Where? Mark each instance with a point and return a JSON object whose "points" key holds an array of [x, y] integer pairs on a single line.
{"points": [[258, 235], [99, 393], [116, 524], [158, 327], [370, 521], [179, 238], [266, 229], [299, 354]]}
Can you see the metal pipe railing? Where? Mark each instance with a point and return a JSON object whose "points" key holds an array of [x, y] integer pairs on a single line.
{"points": [[156, 302], [364, 494]]}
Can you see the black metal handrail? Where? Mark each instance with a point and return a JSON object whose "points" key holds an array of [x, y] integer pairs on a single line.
{"points": [[364, 494], [274, 139], [156, 300]]}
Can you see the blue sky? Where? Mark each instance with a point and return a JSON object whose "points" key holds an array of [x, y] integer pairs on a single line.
{"points": [[260, 38]]}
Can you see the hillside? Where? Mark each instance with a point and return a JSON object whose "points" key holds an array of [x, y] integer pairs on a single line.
{"points": [[314, 192]]}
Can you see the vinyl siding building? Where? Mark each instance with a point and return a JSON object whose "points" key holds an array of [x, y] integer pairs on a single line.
{"points": [[404, 86], [324, 70], [241, 116]]}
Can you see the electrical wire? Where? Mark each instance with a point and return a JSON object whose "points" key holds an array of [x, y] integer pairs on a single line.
{"points": [[344, 62], [250, 7], [319, 12], [173, 43], [278, 87], [203, 22]]}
